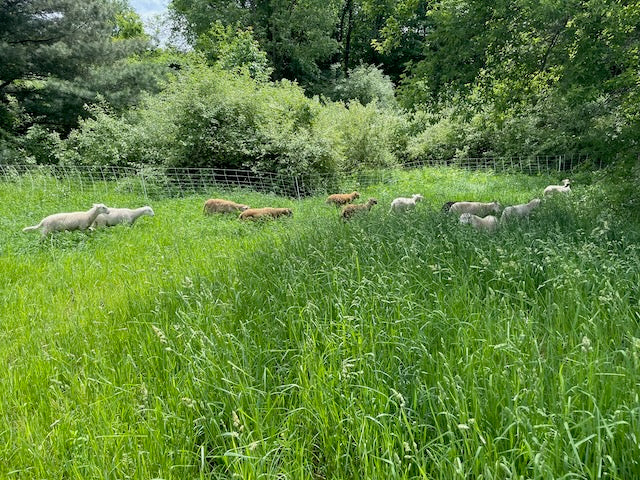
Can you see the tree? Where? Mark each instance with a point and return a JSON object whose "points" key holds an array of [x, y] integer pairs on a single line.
{"points": [[56, 55], [297, 36], [563, 73], [234, 50]]}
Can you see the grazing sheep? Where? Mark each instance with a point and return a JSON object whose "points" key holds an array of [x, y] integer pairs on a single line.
{"points": [[521, 211], [403, 203], [69, 221], [342, 198], [121, 215], [477, 208], [267, 212], [564, 188], [349, 210], [487, 224], [219, 205]]}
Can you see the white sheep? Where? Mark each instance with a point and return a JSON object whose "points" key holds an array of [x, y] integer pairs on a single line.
{"points": [[476, 208], [522, 210], [403, 203], [121, 215], [487, 224], [564, 188], [69, 221]]}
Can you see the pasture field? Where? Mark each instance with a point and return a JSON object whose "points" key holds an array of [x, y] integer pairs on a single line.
{"points": [[389, 347]]}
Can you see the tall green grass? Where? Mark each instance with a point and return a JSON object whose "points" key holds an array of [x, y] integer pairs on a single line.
{"points": [[387, 347]]}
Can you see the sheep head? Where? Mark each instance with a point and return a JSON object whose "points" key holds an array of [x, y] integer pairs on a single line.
{"points": [[101, 208], [465, 218]]}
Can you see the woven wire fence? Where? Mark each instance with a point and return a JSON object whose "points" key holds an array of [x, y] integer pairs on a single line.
{"points": [[164, 181], [529, 165]]}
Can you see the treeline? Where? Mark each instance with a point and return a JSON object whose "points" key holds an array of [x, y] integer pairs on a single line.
{"points": [[319, 86]]}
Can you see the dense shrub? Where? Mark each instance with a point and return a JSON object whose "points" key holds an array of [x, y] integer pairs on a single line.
{"points": [[208, 117], [366, 83], [365, 136]]}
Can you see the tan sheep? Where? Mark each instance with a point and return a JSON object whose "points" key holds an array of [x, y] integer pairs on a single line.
{"points": [[477, 208], [342, 198], [219, 205], [267, 212], [350, 210], [487, 224], [69, 221]]}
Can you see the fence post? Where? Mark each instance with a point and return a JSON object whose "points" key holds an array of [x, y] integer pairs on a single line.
{"points": [[144, 186], [295, 179]]}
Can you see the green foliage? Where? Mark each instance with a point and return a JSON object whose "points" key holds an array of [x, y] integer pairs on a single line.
{"points": [[365, 136], [208, 117], [366, 83], [548, 77], [59, 55], [296, 36], [234, 50]]}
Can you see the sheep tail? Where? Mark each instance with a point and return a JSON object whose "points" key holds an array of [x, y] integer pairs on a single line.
{"points": [[29, 229]]}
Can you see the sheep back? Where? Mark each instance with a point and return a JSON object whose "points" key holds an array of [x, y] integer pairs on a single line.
{"points": [[349, 210], [266, 212], [117, 216], [342, 198], [476, 208], [219, 205]]}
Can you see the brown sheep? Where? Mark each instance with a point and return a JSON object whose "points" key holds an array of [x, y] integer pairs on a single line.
{"points": [[218, 205], [342, 198], [349, 210], [267, 212]]}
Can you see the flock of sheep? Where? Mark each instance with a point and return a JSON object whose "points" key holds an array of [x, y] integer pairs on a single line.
{"points": [[477, 214]]}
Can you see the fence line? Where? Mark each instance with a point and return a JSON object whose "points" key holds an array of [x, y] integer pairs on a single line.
{"points": [[161, 181]]}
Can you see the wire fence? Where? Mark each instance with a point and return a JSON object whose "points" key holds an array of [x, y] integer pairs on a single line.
{"points": [[527, 165], [165, 181]]}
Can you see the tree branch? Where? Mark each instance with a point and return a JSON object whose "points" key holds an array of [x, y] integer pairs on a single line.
{"points": [[28, 40]]}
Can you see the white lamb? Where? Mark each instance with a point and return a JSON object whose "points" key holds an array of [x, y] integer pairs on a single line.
{"points": [[521, 211], [403, 203], [121, 215], [564, 188], [487, 224], [476, 208], [69, 221]]}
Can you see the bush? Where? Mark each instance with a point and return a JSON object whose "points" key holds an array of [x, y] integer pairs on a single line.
{"points": [[364, 136], [208, 117], [366, 84]]}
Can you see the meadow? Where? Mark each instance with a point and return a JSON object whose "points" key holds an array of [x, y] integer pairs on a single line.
{"points": [[389, 347]]}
